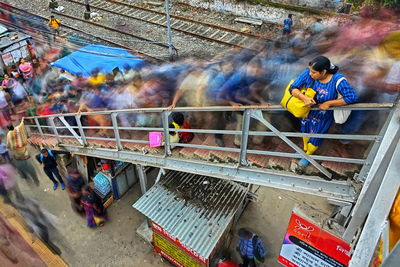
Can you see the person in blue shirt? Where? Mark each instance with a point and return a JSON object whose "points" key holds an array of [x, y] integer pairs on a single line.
{"points": [[218, 75], [287, 25], [245, 87], [250, 247], [323, 77]]}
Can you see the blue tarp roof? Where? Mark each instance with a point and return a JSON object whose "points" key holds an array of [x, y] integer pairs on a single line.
{"points": [[90, 57]]}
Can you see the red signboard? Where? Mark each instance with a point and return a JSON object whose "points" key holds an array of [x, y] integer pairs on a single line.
{"points": [[172, 249], [307, 245]]}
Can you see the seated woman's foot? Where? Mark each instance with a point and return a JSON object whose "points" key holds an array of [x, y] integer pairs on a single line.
{"points": [[303, 163], [296, 167]]}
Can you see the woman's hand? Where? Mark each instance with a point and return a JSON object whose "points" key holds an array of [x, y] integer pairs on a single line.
{"points": [[308, 101], [264, 105], [235, 105], [171, 107], [324, 106]]}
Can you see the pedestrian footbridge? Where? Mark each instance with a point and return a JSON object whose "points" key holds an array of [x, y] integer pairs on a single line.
{"points": [[348, 169]]}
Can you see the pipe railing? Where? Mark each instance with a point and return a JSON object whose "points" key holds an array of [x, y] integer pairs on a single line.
{"points": [[249, 112]]}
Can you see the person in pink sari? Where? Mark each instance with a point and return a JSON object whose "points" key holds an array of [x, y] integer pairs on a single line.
{"points": [[27, 70]]}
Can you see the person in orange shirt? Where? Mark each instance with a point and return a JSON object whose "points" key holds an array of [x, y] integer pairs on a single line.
{"points": [[97, 78], [54, 26]]}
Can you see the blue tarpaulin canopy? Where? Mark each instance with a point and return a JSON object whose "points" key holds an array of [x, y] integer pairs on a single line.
{"points": [[90, 57]]}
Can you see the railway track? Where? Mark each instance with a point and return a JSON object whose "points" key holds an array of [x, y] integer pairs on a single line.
{"points": [[150, 44], [67, 30], [203, 30]]}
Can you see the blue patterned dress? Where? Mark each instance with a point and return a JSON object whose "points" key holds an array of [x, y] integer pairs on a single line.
{"points": [[319, 121]]}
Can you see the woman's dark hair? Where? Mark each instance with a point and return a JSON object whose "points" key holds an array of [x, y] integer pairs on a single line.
{"points": [[178, 118], [243, 232], [321, 63]]}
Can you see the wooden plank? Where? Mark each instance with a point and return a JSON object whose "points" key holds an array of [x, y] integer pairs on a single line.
{"points": [[152, 3], [252, 21], [215, 33]]}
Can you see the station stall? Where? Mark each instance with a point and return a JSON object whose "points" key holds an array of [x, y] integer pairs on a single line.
{"points": [[191, 216], [13, 47], [111, 179]]}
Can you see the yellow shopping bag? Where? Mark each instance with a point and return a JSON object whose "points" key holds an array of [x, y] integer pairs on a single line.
{"points": [[295, 105], [98, 220]]}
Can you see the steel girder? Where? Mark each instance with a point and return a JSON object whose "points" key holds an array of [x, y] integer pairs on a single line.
{"points": [[342, 190]]}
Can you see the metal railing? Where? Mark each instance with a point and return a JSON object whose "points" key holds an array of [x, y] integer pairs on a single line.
{"points": [[376, 224], [162, 114]]}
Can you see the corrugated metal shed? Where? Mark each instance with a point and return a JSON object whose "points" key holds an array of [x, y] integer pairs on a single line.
{"points": [[5, 41], [195, 209]]}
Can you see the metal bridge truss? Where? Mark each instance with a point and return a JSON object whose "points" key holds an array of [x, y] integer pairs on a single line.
{"points": [[357, 197]]}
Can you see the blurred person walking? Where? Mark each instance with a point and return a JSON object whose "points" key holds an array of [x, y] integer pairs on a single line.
{"points": [[75, 183], [39, 221], [14, 251], [8, 184], [246, 87], [94, 209], [18, 145]]}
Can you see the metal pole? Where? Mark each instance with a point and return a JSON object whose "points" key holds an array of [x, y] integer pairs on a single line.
{"points": [[164, 117], [81, 132], [142, 178], [39, 128], [53, 127], [378, 213], [169, 35], [87, 12], [116, 131], [375, 176], [245, 137]]}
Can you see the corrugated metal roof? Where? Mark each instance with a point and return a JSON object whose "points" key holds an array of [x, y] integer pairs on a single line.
{"points": [[6, 41], [195, 209]]}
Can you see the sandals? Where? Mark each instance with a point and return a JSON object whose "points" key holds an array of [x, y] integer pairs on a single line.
{"points": [[299, 166]]}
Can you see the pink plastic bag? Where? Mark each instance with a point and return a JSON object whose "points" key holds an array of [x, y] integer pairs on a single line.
{"points": [[155, 138]]}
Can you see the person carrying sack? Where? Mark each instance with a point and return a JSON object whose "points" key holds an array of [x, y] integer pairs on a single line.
{"points": [[48, 159], [331, 90], [251, 248]]}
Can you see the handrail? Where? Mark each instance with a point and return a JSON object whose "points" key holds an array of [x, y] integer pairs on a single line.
{"points": [[365, 137], [250, 112], [360, 106]]}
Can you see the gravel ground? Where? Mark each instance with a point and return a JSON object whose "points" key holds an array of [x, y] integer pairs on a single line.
{"points": [[187, 46], [149, 31], [224, 19]]}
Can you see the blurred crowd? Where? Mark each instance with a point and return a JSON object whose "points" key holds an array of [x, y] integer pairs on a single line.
{"points": [[366, 48]]}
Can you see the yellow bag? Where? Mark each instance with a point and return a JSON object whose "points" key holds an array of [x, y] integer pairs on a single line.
{"points": [[295, 105], [98, 220]]}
